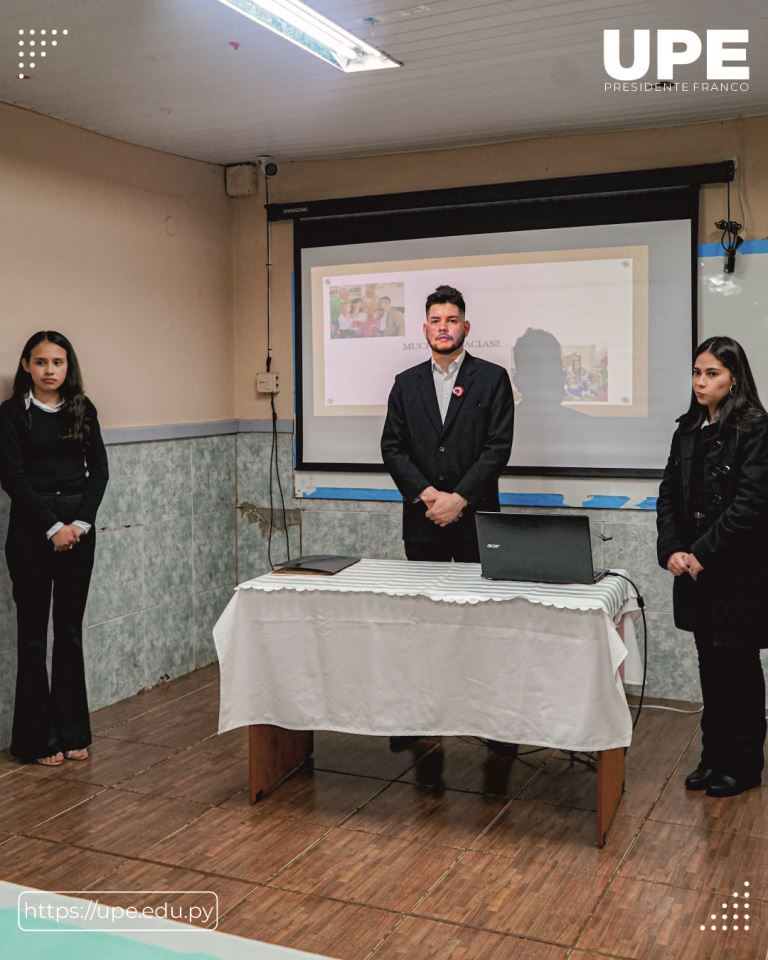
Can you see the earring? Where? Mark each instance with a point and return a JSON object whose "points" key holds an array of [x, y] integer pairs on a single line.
{"points": [[731, 389]]}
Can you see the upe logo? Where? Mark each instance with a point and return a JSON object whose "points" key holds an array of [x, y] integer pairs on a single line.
{"points": [[678, 48]]}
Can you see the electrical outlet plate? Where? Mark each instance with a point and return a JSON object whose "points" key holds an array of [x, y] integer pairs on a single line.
{"points": [[268, 382]]}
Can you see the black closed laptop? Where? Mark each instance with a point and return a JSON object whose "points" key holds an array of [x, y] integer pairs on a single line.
{"points": [[539, 548]]}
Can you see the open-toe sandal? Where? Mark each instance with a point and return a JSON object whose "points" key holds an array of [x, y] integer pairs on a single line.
{"points": [[80, 754], [54, 760]]}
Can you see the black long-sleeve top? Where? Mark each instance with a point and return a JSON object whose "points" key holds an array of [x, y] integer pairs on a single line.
{"points": [[35, 459]]}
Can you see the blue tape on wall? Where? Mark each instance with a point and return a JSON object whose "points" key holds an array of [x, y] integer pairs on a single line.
{"points": [[507, 499], [604, 503], [749, 246], [352, 493], [532, 499]]}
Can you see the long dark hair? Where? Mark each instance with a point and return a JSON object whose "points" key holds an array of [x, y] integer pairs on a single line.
{"points": [[742, 404], [77, 426]]}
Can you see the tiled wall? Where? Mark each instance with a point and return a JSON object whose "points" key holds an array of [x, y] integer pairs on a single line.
{"points": [[184, 520], [165, 568]]}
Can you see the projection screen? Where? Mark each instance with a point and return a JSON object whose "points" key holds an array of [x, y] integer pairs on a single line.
{"points": [[592, 321]]}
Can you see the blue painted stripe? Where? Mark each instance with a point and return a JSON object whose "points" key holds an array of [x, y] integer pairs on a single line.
{"points": [[594, 502], [352, 493], [749, 246], [532, 499], [597, 502]]}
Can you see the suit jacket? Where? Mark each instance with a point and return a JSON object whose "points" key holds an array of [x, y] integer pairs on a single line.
{"points": [[464, 455], [732, 550]]}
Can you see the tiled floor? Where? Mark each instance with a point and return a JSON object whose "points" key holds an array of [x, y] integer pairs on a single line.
{"points": [[444, 850]]}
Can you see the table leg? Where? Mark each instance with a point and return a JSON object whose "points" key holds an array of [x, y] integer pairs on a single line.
{"points": [[610, 786], [273, 754]]}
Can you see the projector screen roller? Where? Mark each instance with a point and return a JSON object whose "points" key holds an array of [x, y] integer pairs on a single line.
{"points": [[593, 324]]}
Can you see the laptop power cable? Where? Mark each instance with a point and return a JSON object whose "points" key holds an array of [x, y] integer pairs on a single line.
{"points": [[641, 605]]}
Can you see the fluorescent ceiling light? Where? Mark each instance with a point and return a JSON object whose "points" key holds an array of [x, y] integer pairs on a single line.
{"points": [[313, 32]]}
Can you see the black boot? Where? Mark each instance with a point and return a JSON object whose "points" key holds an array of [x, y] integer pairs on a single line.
{"points": [[700, 778], [721, 785]]}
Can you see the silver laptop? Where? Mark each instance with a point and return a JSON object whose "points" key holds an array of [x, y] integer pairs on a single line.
{"points": [[539, 548]]}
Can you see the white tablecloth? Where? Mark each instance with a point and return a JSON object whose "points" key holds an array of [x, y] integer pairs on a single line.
{"points": [[390, 647]]}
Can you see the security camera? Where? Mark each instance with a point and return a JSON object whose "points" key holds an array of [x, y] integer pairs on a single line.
{"points": [[270, 169]]}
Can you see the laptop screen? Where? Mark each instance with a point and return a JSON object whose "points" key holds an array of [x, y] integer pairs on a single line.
{"points": [[540, 548]]}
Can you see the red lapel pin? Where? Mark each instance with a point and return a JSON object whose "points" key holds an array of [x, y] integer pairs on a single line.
{"points": [[458, 391]]}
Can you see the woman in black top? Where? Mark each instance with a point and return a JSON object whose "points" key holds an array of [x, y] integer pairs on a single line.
{"points": [[713, 537], [54, 468]]}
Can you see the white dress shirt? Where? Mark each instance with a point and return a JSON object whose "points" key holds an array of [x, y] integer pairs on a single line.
{"points": [[445, 380]]}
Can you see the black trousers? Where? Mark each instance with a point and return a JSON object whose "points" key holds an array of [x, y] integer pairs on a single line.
{"points": [[733, 723], [446, 547], [49, 717]]}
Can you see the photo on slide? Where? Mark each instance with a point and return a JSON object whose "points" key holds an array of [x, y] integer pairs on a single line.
{"points": [[364, 310]]}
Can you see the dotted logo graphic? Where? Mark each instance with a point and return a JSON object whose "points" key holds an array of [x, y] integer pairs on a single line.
{"points": [[34, 45], [737, 920]]}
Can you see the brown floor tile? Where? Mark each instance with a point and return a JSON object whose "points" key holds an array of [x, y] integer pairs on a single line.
{"points": [[53, 866], [193, 775], [170, 725], [411, 812], [5, 836], [379, 871], [698, 859], [365, 756], [234, 743], [431, 940], [117, 713], [652, 921], [119, 822], [575, 785], [8, 764], [327, 927], [660, 739], [539, 835], [190, 682], [463, 763], [583, 955], [28, 800], [206, 699], [138, 876], [529, 896], [318, 796], [747, 814], [159, 696], [110, 761], [222, 842]]}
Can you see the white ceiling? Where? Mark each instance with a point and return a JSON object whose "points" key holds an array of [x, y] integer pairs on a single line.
{"points": [[163, 73]]}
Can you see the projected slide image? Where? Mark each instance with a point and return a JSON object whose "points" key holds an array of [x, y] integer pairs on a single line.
{"points": [[585, 372], [570, 374], [364, 310], [570, 326]]}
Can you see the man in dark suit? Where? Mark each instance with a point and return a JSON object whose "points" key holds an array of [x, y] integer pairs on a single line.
{"points": [[447, 437]]}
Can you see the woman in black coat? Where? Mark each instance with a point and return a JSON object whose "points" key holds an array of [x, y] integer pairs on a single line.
{"points": [[54, 468], [713, 537]]}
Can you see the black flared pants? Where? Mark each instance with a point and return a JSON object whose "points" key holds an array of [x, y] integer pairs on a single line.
{"points": [[49, 716]]}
